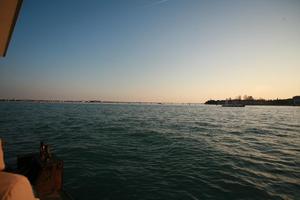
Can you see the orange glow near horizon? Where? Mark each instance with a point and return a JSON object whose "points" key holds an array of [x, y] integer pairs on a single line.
{"points": [[176, 51]]}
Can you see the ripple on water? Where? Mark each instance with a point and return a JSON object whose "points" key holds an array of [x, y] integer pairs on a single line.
{"points": [[163, 151]]}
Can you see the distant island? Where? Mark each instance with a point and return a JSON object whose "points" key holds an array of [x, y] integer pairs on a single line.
{"points": [[249, 100]]}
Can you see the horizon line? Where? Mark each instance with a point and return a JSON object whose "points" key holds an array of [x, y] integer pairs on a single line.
{"points": [[120, 101]]}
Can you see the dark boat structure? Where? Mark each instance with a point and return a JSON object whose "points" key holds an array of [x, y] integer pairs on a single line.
{"points": [[45, 173]]}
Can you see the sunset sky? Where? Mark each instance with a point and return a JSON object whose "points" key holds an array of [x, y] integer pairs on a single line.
{"points": [[153, 50]]}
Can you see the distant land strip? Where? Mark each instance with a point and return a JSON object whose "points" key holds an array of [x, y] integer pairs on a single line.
{"points": [[90, 101], [249, 100]]}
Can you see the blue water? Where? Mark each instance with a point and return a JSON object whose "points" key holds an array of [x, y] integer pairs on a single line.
{"points": [[163, 151]]}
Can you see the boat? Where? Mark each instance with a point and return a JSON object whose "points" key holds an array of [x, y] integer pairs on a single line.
{"points": [[44, 172]]}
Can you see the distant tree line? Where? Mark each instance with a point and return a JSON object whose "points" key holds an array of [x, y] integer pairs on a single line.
{"points": [[250, 100]]}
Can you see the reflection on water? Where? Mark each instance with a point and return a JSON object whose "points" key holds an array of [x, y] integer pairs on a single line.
{"points": [[163, 151]]}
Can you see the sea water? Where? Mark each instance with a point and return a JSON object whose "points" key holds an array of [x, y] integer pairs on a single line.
{"points": [[153, 152]]}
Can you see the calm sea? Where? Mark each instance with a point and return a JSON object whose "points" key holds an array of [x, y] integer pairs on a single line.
{"points": [[145, 152]]}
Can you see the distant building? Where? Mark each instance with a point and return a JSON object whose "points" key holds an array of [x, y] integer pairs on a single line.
{"points": [[296, 100]]}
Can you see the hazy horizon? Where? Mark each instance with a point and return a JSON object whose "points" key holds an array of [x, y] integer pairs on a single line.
{"points": [[153, 50], [239, 97]]}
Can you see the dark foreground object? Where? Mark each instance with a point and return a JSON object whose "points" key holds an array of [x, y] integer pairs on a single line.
{"points": [[45, 173]]}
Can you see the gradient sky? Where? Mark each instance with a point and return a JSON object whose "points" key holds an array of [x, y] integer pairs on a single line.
{"points": [[153, 50]]}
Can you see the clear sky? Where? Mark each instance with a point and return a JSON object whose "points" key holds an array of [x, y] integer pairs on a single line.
{"points": [[153, 50]]}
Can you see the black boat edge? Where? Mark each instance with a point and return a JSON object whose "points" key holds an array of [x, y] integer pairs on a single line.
{"points": [[44, 172]]}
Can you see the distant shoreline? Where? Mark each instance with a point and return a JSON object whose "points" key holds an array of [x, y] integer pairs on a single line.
{"points": [[95, 102], [295, 101]]}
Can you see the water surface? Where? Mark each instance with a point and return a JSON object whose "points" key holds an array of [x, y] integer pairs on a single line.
{"points": [[163, 151]]}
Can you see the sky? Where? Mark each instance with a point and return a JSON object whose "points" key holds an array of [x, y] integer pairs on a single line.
{"points": [[153, 50]]}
